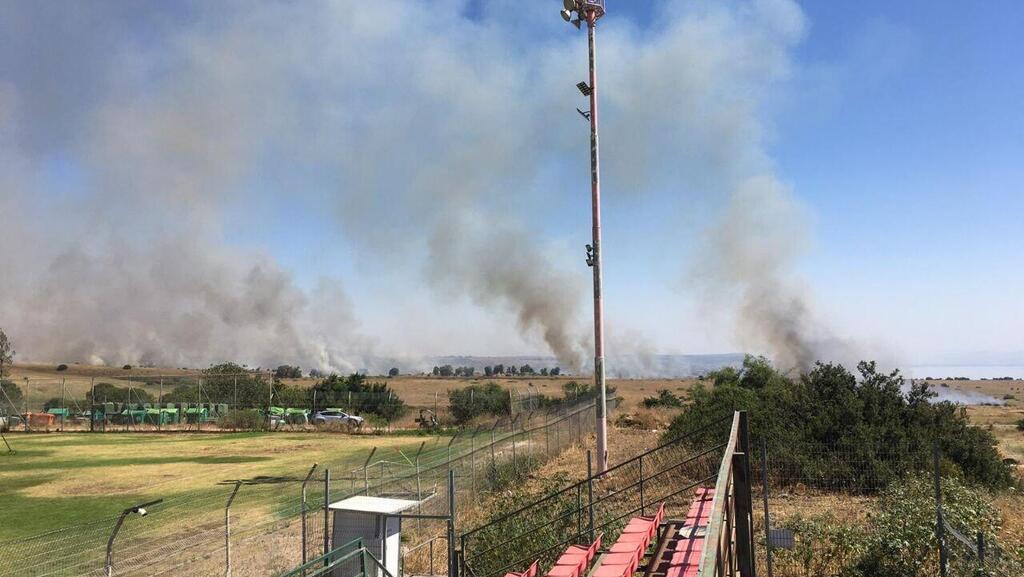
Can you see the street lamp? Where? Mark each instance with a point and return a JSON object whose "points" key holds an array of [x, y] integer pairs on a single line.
{"points": [[576, 12], [141, 511]]}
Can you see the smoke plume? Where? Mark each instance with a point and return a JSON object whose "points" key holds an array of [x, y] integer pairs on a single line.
{"points": [[135, 142], [751, 254]]}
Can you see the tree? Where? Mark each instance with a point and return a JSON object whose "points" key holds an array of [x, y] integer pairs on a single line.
{"points": [[526, 370], [488, 371], [864, 419], [393, 372], [7, 352], [469, 402], [555, 371], [109, 393], [12, 392], [446, 371], [287, 372], [499, 370], [437, 371], [544, 372]]}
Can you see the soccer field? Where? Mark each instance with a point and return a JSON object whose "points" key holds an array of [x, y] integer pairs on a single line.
{"points": [[56, 480]]}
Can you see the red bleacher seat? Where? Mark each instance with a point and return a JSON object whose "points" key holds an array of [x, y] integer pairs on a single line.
{"points": [[531, 571], [680, 547]]}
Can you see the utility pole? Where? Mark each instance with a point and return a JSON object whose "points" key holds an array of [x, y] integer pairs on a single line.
{"points": [[590, 11]]}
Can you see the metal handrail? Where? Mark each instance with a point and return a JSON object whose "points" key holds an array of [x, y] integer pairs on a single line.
{"points": [[325, 563], [709, 557], [594, 477]]}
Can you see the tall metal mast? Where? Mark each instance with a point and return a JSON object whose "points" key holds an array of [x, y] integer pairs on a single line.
{"points": [[590, 11]]}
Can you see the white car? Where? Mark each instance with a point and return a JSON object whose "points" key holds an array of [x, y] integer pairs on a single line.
{"points": [[336, 416]]}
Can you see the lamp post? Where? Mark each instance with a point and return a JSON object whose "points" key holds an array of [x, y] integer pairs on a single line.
{"points": [[138, 509], [576, 12]]}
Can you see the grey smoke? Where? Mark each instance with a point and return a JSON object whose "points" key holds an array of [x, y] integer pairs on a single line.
{"points": [[751, 254], [434, 137]]}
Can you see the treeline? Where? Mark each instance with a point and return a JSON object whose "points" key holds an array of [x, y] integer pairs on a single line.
{"points": [[851, 430], [234, 385], [495, 371]]}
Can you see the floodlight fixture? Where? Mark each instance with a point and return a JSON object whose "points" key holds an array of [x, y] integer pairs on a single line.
{"points": [[584, 89], [566, 15]]}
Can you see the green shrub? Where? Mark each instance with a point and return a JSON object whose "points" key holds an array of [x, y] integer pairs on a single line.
{"points": [[823, 545], [1020, 425], [470, 402], [837, 429], [904, 543], [898, 538], [501, 547], [509, 474], [248, 420], [665, 398]]}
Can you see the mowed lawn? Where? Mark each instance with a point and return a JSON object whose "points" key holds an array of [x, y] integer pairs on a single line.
{"points": [[57, 480]]}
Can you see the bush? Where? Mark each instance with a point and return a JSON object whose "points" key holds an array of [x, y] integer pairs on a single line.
{"points": [[493, 548], [1020, 425], [393, 372], [12, 392], [470, 402], [509, 473], [127, 367], [831, 426], [108, 393], [62, 367], [898, 538], [249, 420], [904, 542], [287, 372], [665, 398]]}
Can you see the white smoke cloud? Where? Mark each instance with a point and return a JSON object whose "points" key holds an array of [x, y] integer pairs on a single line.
{"points": [[436, 139]]}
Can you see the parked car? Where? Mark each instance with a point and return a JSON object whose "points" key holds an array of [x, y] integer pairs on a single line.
{"points": [[336, 416]]}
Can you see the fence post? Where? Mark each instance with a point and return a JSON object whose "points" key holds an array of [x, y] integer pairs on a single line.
{"points": [[641, 464], [764, 496], [327, 510], [92, 403], [366, 475], [160, 407], [579, 512], [590, 494], [981, 549], [940, 529], [493, 464], [744, 518], [472, 457], [304, 534], [453, 566], [227, 528]]}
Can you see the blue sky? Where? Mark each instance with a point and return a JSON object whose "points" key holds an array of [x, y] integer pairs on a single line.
{"points": [[895, 129]]}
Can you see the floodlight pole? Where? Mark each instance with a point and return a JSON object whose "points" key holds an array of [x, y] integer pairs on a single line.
{"points": [[591, 15]]}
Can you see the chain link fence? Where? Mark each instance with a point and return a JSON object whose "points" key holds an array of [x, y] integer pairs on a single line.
{"points": [[839, 510], [263, 525]]}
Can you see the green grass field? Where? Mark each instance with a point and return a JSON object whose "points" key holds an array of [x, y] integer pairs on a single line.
{"points": [[57, 480]]}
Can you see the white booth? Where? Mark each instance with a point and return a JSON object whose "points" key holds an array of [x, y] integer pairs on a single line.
{"points": [[367, 518]]}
